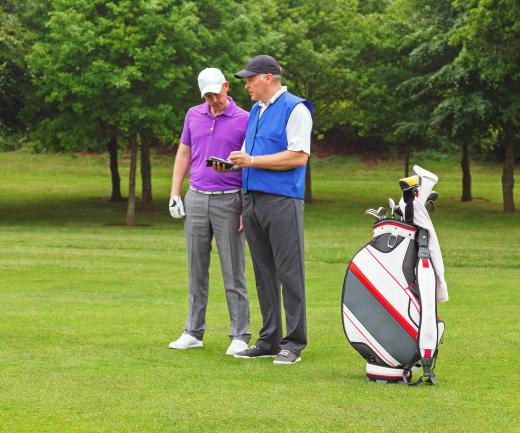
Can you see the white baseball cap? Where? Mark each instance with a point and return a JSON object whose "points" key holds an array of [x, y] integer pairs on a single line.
{"points": [[210, 81]]}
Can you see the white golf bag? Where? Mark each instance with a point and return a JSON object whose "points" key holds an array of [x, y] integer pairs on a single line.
{"points": [[389, 299]]}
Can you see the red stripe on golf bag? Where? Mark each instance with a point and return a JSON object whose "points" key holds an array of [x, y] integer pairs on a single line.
{"points": [[382, 300], [405, 289], [396, 224]]}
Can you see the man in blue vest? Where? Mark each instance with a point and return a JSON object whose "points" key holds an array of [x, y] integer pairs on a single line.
{"points": [[273, 161]]}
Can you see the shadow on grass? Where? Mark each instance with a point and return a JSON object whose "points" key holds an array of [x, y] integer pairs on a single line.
{"points": [[96, 211], [77, 211]]}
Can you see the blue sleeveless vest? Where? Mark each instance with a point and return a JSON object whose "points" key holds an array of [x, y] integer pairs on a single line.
{"points": [[266, 135]]}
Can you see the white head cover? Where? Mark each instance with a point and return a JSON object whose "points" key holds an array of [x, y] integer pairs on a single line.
{"points": [[422, 219], [428, 181], [210, 81]]}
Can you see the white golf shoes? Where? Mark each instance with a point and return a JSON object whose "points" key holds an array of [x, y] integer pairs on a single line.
{"points": [[236, 346], [185, 341]]}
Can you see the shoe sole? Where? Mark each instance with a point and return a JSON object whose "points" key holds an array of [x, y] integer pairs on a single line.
{"points": [[233, 353], [253, 357], [288, 363]]}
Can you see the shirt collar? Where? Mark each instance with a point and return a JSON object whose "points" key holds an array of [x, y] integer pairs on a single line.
{"points": [[274, 98], [230, 109]]}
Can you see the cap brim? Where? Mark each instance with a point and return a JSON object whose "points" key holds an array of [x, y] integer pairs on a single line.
{"points": [[212, 88], [245, 74]]}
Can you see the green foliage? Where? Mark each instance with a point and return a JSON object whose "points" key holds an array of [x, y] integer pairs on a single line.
{"points": [[312, 41], [443, 95], [491, 39], [341, 56], [124, 67], [409, 73], [13, 77], [11, 141], [378, 71]]}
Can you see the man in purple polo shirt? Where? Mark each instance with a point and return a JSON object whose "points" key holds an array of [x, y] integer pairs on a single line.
{"points": [[213, 207]]}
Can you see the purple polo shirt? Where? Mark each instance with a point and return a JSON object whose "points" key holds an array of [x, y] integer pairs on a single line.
{"points": [[213, 136]]}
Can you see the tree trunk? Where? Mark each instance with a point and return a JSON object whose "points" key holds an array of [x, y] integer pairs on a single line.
{"points": [[130, 213], [114, 169], [146, 172], [508, 179], [406, 161], [308, 184], [466, 173]]}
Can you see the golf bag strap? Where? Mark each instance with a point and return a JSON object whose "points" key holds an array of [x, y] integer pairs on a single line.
{"points": [[427, 339]]}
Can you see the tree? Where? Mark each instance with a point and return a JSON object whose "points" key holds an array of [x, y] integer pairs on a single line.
{"points": [[130, 212], [491, 39], [381, 109], [117, 69], [451, 97], [13, 70]]}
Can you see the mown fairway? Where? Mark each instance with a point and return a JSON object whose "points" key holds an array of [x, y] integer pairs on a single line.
{"points": [[88, 307]]}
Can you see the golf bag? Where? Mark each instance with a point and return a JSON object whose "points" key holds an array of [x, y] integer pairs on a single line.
{"points": [[389, 305]]}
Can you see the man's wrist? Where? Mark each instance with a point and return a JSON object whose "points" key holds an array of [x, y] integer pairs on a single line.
{"points": [[252, 161]]}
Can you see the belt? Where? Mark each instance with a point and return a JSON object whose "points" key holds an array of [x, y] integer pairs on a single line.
{"points": [[229, 191]]}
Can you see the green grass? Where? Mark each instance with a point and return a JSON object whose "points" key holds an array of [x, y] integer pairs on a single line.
{"points": [[88, 306]]}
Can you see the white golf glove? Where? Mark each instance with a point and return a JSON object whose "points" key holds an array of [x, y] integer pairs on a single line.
{"points": [[176, 207]]}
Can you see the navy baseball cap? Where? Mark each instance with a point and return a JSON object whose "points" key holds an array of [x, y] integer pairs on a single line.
{"points": [[262, 64]]}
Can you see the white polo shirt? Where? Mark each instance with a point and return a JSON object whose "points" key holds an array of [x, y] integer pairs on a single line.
{"points": [[298, 128]]}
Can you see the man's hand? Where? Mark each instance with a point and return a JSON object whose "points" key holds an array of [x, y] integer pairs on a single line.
{"points": [[176, 207], [220, 168], [240, 159]]}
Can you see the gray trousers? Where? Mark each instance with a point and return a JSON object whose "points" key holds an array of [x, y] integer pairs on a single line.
{"points": [[274, 232], [219, 215]]}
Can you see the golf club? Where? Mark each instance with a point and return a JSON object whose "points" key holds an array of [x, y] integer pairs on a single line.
{"points": [[372, 213], [391, 205]]}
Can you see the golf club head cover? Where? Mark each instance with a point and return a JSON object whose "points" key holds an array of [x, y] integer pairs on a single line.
{"points": [[427, 181], [409, 187], [408, 197], [409, 182]]}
